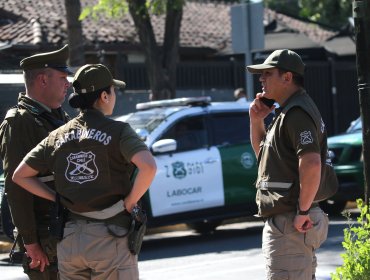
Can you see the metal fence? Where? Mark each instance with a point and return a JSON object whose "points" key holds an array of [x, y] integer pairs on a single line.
{"points": [[338, 107], [220, 78]]}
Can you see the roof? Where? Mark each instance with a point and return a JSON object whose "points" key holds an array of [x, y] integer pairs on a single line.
{"points": [[341, 45], [314, 32], [285, 40], [44, 21], [42, 24], [288, 32]]}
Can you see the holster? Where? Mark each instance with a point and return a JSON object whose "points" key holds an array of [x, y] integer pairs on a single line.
{"points": [[137, 231], [58, 218], [135, 238]]}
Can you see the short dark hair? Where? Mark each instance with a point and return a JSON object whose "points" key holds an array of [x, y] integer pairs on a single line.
{"points": [[31, 75], [297, 79], [87, 100]]}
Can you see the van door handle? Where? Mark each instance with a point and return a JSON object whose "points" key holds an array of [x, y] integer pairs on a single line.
{"points": [[210, 160]]}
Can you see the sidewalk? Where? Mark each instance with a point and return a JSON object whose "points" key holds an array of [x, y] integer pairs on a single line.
{"points": [[5, 246]]}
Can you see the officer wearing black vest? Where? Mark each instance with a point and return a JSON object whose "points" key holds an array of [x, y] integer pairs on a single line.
{"points": [[37, 113], [92, 158], [289, 167]]}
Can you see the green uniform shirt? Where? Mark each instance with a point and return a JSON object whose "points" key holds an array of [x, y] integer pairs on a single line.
{"points": [[297, 130], [21, 130], [91, 159]]}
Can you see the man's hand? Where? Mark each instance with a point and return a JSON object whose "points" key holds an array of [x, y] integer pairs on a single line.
{"points": [[37, 255], [258, 109], [303, 223]]}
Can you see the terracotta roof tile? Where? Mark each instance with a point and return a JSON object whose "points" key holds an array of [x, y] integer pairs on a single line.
{"points": [[204, 25]]}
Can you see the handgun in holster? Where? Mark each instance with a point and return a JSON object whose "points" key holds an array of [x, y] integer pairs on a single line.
{"points": [[58, 218], [137, 230]]}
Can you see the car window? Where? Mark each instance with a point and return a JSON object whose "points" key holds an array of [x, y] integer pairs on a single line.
{"points": [[190, 133], [231, 128]]}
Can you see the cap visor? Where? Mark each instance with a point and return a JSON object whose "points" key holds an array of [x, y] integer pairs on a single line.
{"points": [[258, 68], [118, 83]]}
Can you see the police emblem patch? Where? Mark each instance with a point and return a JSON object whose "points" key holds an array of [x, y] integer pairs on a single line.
{"points": [[306, 137], [81, 167], [178, 170]]}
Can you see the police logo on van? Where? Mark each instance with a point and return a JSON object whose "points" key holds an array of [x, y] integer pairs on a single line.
{"points": [[247, 160], [81, 167], [178, 170]]}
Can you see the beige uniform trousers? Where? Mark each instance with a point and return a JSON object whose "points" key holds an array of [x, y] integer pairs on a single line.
{"points": [[290, 254], [88, 251]]}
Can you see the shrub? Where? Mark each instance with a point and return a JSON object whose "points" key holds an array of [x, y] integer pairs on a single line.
{"points": [[356, 258]]}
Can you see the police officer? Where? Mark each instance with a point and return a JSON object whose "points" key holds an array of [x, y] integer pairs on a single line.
{"points": [[240, 95], [92, 157], [290, 156], [37, 113]]}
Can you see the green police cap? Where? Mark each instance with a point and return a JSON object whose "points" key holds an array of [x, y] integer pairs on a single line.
{"points": [[56, 60], [282, 59], [94, 77]]}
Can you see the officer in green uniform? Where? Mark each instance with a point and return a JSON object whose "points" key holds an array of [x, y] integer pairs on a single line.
{"points": [[290, 157], [92, 158], [37, 113]]}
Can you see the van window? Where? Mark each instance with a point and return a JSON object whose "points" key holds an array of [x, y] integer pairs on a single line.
{"points": [[190, 133]]}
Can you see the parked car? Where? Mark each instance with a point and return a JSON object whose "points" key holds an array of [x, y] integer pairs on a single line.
{"points": [[347, 158]]}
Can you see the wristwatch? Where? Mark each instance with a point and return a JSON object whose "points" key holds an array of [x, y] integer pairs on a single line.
{"points": [[303, 213]]}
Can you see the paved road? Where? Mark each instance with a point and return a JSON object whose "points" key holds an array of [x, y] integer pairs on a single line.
{"points": [[231, 252]]}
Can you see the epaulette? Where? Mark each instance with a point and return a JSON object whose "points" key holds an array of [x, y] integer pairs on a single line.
{"points": [[11, 113]]}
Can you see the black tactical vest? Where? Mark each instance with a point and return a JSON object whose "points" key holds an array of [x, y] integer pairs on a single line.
{"points": [[278, 178]]}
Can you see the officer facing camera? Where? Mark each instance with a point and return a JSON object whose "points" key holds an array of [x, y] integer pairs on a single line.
{"points": [[291, 154]]}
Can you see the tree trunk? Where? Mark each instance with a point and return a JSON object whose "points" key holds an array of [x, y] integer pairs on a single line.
{"points": [[171, 44], [161, 66], [74, 28]]}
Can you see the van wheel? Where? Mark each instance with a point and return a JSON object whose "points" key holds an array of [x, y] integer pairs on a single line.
{"points": [[205, 227], [332, 207]]}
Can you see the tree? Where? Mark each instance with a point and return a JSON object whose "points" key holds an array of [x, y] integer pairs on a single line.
{"points": [[74, 28], [161, 60], [333, 13]]}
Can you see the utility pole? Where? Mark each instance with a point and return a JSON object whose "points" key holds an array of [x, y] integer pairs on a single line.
{"points": [[247, 34], [361, 15]]}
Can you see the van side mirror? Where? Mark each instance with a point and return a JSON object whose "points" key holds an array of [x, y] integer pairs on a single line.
{"points": [[164, 146]]}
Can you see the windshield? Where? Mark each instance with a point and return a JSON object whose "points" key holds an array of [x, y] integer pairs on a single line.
{"points": [[146, 120], [355, 126]]}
